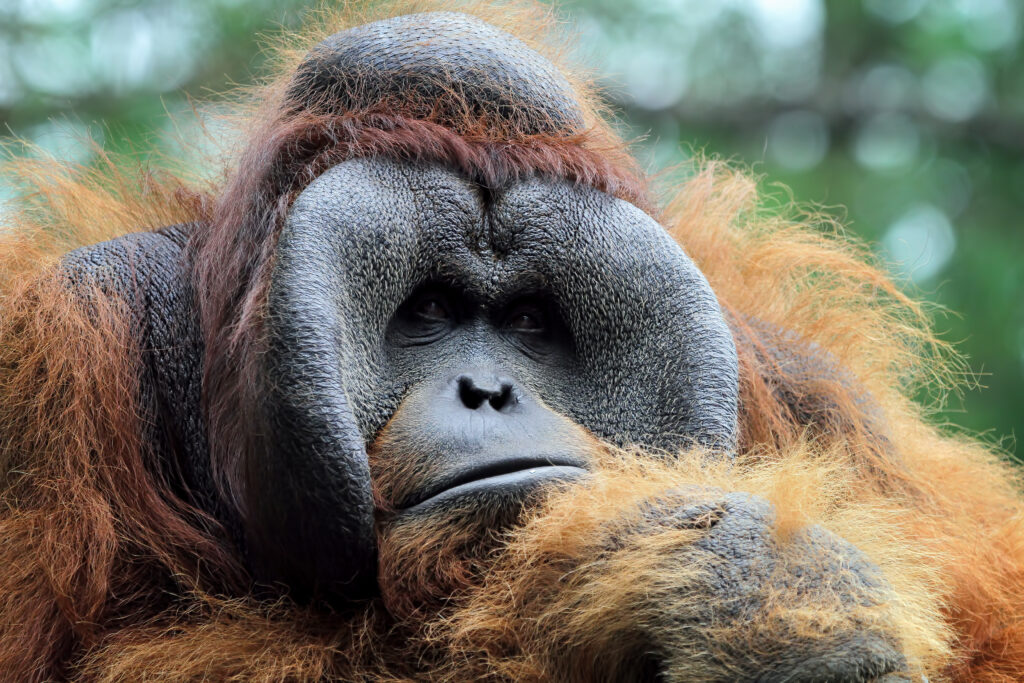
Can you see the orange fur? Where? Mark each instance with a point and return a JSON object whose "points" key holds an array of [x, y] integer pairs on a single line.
{"points": [[104, 575]]}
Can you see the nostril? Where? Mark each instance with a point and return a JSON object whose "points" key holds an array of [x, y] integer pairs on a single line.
{"points": [[498, 393], [471, 395], [503, 398]]}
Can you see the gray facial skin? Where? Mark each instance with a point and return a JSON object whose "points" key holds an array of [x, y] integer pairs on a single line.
{"points": [[650, 359]]}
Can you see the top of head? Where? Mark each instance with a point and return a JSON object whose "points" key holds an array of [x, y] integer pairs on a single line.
{"points": [[445, 66]]}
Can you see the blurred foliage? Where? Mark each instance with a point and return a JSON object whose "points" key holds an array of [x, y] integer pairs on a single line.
{"points": [[906, 116]]}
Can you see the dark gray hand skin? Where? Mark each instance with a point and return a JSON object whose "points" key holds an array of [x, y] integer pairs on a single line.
{"points": [[748, 564], [635, 350]]}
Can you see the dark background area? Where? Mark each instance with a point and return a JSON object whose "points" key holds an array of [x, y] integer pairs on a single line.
{"points": [[903, 117]]}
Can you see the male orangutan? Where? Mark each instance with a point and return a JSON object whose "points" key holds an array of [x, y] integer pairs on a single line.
{"points": [[428, 386]]}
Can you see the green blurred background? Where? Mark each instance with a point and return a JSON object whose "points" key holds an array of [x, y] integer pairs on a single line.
{"points": [[904, 117]]}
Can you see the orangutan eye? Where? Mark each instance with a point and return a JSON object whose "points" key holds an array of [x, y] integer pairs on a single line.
{"points": [[527, 322], [432, 309], [425, 317], [528, 317], [534, 327]]}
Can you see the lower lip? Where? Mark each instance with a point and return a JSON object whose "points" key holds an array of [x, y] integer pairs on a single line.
{"points": [[511, 487]]}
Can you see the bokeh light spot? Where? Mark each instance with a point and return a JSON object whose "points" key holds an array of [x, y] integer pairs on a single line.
{"points": [[955, 88], [895, 11], [887, 141], [798, 140], [920, 243]]}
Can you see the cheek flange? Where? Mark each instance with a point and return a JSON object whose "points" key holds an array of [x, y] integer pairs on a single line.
{"points": [[655, 361]]}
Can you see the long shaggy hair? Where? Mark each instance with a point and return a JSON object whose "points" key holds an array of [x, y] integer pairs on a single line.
{"points": [[106, 575]]}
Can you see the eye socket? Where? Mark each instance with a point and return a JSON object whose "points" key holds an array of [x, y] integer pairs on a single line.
{"points": [[431, 308], [425, 317], [527, 320], [532, 326]]}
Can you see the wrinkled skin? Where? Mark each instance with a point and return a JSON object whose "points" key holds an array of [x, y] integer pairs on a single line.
{"points": [[509, 321], [748, 560], [491, 254]]}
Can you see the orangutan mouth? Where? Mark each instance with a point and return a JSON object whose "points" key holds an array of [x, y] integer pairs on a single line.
{"points": [[507, 478]]}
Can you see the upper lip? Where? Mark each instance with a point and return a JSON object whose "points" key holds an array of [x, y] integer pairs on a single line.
{"points": [[486, 470]]}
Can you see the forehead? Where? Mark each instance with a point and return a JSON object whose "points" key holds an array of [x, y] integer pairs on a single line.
{"points": [[373, 203]]}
